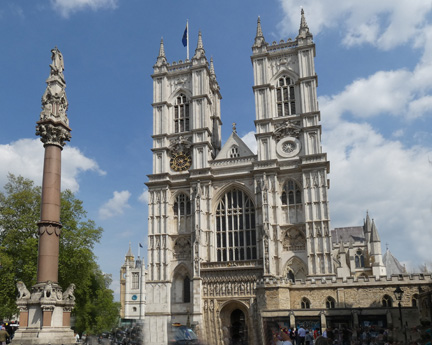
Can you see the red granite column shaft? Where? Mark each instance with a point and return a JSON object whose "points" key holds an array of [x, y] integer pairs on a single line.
{"points": [[49, 225]]}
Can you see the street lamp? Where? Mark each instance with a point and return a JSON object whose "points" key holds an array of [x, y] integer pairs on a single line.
{"points": [[398, 294]]}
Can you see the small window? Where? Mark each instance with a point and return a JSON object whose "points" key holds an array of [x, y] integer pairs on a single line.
{"points": [[291, 193], [234, 152], [291, 276], [387, 301], [414, 300], [330, 303], [134, 309], [305, 303]]}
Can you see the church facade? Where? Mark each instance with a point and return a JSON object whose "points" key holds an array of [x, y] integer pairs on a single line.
{"points": [[240, 244]]}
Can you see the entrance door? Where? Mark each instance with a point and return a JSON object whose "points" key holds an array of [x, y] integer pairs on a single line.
{"points": [[238, 328]]}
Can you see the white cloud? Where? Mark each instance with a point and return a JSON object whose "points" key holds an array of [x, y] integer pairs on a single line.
{"points": [[25, 157], [384, 24], [144, 197], [68, 7], [116, 205], [250, 140]]}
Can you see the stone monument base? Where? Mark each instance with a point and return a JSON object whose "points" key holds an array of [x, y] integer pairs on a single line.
{"points": [[45, 315], [44, 336]]}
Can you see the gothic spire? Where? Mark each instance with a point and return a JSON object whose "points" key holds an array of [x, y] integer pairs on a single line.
{"points": [[53, 124], [374, 237], [161, 59], [367, 227], [212, 71], [199, 51], [304, 28], [259, 38]]}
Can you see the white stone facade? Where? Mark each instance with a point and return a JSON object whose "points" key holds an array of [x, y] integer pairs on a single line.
{"points": [[239, 241]]}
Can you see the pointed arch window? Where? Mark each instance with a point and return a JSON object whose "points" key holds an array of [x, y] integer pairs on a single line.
{"points": [[235, 227], [330, 303], [359, 259], [387, 301], [305, 303], [285, 97], [414, 300], [291, 193], [181, 114], [182, 205]]}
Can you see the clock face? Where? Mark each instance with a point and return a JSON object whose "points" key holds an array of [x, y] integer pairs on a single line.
{"points": [[288, 147], [180, 162]]}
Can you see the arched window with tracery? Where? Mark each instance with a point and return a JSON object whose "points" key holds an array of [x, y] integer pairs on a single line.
{"points": [[291, 193], [305, 303], [414, 300], [359, 259], [285, 96], [387, 301], [181, 114], [235, 227], [330, 303], [182, 205]]}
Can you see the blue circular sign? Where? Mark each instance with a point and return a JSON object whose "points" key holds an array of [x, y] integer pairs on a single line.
{"points": [[134, 297]]}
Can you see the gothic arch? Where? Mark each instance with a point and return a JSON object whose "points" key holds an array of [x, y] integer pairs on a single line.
{"points": [[293, 239], [223, 190], [176, 93], [297, 267], [230, 325], [180, 275], [176, 193], [284, 72]]}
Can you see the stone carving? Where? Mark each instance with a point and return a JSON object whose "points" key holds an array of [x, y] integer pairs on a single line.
{"points": [[48, 290], [68, 295], [287, 129], [294, 240], [23, 292], [51, 134], [182, 248], [180, 144]]}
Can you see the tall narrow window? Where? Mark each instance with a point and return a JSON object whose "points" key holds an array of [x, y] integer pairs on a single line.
{"points": [[285, 97], [182, 205], [291, 193], [235, 227], [359, 259], [135, 280], [181, 114], [186, 290]]}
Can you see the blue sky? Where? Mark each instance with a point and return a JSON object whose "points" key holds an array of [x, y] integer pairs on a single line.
{"points": [[374, 66]]}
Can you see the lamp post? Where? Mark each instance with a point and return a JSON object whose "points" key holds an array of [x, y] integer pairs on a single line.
{"points": [[398, 294]]}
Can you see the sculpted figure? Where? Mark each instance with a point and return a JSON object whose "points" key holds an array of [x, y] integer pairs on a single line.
{"points": [[48, 290], [57, 66], [23, 292], [69, 293]]}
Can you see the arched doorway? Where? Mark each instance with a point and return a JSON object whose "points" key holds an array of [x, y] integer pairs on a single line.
{"points": [[238, 328], [235, 324]]}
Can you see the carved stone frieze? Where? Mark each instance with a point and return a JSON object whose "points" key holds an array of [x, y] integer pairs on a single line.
{"points": [[182, 248], [51, 133], [49, 228], [287, 129], [180, 144]]}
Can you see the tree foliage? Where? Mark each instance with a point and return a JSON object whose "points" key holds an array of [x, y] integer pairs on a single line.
{"points": [[95, 309]]}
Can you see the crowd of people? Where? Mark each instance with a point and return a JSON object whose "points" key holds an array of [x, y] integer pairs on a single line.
{"points": [[337, 336]]}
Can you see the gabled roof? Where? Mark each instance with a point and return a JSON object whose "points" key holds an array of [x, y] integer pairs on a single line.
{"points": [[347, 234], [393, 266], [234, 140]]}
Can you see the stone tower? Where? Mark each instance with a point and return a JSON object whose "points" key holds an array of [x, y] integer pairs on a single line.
{"points": [[45, 312], [222, 218]]}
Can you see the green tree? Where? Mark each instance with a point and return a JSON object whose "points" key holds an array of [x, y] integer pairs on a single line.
{"points": [[95, 309]]}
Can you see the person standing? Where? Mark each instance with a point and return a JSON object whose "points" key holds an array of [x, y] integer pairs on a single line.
{"points": [[3, 335], [301, 335]]}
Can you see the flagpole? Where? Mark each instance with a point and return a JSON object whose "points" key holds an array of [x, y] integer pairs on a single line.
{"points": [[187, 39]]}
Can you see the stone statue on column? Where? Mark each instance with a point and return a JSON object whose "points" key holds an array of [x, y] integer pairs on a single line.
{"points": [[45, 311]]}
